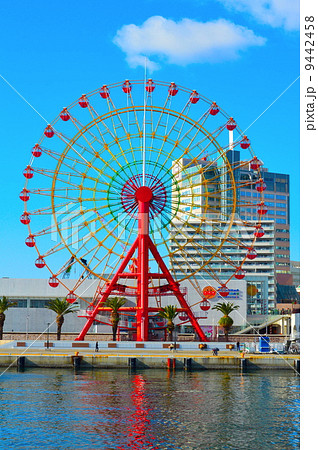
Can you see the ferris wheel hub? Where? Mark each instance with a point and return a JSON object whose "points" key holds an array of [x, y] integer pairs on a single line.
{"points": [[143, 194]]}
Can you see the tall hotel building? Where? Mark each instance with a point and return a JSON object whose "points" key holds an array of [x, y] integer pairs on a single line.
{"points": [[276, 198], [272, 249]]}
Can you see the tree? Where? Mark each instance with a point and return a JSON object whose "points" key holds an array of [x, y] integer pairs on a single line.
{"points": [[226, 321], [115, 303], [169, 313], [61, 307], [4, 305]]}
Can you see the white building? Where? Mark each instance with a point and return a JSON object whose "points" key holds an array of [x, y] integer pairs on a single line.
{"points": [[31, 296]]}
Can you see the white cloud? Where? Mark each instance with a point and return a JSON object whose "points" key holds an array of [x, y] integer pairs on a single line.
{"points": [[183, 42], [276, 13]]}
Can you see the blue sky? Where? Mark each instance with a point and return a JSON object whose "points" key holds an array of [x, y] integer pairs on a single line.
{"points": [[239, 53]]}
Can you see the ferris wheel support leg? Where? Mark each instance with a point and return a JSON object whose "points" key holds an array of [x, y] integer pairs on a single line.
{"points": [[143, 310], [177, 292], [143, 196], [104, 297]]}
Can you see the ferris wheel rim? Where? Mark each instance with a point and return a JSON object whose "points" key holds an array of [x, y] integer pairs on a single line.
{"points": [[141, 108]]}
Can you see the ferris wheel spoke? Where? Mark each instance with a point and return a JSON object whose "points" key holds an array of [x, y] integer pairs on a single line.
{"points": [[200, 246], [51, 174], [80, 127], [113, 267], [47, 210], [53, 250], [48, 193], [210, 273], [192, 132], [70, 145], [201, 147], [187, 260], [67, 157]]}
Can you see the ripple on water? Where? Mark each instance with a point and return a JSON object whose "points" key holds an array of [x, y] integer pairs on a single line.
{"points": [[57, 409]]}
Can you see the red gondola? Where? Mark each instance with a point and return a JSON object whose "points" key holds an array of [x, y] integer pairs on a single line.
{"points": [[255, 163], [245, 142], [260, 186], [251, 254], [173, 89], [223, 291], [36, 151], [127, 87], [30, 241], [214, 109], [83, 102], [150, 85], [194, 97], [24, 195], [53, 282], [49, 131], [65, 115], [231, 124], [205, 305], [183, 316], [25, 218], [40, 263], [28, 172], [240, 274], [259, 231], [71, 297], [262, 209], [104, 91]]}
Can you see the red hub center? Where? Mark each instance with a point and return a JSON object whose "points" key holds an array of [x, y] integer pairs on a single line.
{"points": [[153, 193], [143, 194]]}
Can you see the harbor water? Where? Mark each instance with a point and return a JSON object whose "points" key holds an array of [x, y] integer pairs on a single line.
{"points": [[154, 409]]}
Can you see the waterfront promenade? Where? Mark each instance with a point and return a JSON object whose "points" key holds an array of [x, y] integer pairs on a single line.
{"points": [[74, 354]]}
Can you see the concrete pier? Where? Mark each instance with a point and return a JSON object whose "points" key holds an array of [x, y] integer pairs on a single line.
{"points": [[110, 357]]}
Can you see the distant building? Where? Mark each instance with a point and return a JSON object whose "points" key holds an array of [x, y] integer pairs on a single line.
{"points": [[276, 198], [295, 271]]}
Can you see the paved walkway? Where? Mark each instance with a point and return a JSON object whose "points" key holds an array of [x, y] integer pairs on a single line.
{"points": [[133, 352]]}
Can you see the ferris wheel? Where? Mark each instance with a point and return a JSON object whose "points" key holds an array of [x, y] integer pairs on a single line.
{"points": [[139, 158]]}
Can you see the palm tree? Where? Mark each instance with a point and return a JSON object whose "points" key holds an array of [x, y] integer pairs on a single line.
{"points": [[169, 313], [4, 305], [60, 307], [226, 321], [115, 303]]}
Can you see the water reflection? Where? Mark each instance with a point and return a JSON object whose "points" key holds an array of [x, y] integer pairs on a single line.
{"points": [[149, 410], [139, 427]]}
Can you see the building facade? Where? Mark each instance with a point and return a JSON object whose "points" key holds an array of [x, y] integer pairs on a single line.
{"points": [[31, 296], [215, 207]]}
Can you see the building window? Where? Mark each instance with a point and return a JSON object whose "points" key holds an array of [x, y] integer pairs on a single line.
{"points": [[280, 197], [38, 303], [281, 187], [20, 303]]}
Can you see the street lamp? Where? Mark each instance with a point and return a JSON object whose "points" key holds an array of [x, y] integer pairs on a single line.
{"points": [[48, 336]]}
